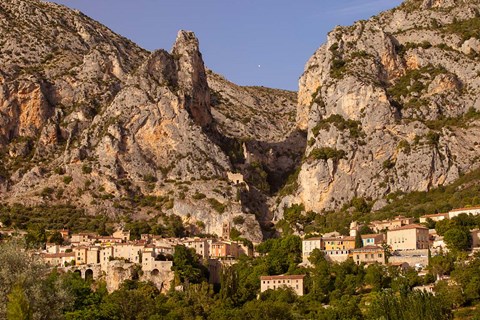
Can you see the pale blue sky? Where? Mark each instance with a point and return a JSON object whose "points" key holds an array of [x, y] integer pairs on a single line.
{"points": [[236, 36]]}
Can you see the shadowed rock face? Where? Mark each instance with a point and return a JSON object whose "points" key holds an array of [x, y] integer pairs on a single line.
{"points": [[379, 93]]}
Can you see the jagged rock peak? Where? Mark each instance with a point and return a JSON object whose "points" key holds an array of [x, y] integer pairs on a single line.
{"points": [[192, 78]]}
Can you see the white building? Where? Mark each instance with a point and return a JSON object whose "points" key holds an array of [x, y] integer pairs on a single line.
{"points": [[310, 244], [456, 212], [287, 281]]}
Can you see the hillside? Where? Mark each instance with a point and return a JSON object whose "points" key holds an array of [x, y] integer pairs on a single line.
{"points": [[91, 121], [390, 105]]}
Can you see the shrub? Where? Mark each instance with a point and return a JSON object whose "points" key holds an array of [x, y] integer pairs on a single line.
{"points": [[216, 205], [67, 179], [149, 178], [86, 169], [59, 170], [47, 192], [338, 68], [239, 220], [433, 138], [354, 127], [388, 164], [198, 196], [326, 153]]}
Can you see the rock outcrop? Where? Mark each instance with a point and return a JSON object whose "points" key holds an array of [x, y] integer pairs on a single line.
{"points": [[89, 119], [390, 105]]}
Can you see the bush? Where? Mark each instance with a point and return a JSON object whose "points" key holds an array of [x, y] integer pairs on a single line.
{"points": [[388, 164], [149, 178], [354, 127], [59, 170], [433, 138], [216, 205], [67, 179], [86, 169], [198, 196], [338, 68], [238, 220], [326, 153]]}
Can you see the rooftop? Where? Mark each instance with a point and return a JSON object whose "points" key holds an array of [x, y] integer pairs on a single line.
{"points": [[368, 248], [409, 226], [433, 215], [465, 209], [283, 277]]}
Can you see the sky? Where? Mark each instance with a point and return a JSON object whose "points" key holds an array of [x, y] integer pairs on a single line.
{"points": [[250, 42]]}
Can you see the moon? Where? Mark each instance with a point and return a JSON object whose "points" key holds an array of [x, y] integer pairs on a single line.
{"points": [[259, 66]]}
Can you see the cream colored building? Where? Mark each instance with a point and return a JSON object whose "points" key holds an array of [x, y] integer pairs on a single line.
{"points": [[128, 251], [375, 239], [122, 234], [368, 255], [337, 255], [475, 233], [200, 246], [395, 223], [434, 217], [149, 264], [474, 211], [83, 239], [58, 259], [310, 244], [409, 237], [287, 281], [86, 255]]}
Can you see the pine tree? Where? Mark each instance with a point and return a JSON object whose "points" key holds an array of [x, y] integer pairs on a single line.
{"points": [[358, 241], [18, 307]]}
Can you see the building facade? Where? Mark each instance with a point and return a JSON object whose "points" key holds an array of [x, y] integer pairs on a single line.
{"points": [[409, 237], [295, 282], [369, 255]]}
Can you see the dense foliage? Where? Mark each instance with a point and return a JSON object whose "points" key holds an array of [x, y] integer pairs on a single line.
{"points": [[333, 291]]}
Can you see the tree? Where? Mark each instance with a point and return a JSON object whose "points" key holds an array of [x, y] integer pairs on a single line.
{"points": [[458, 239], [44, 292], [229, 285], [412, 306], [358, 241], [451, 294], [377, 277], [18, 307], [187, 267], [56, 238], [441, 265]]}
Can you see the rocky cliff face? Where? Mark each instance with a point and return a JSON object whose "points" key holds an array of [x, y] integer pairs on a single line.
{"points": [[89, 119], [391, 104]]}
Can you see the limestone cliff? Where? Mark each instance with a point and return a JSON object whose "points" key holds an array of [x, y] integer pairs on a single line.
{"points": [[391, 104], [89, 119]]}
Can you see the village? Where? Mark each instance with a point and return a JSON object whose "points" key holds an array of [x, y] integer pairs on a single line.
{"points": [[402, 242]]}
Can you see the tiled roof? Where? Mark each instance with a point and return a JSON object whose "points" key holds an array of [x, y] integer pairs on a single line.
{"points": [[409, 226], [465, 209], [283, 277]]}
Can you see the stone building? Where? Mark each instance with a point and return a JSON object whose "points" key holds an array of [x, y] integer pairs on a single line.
{"points": [[368, 255], [294, 282], [310, 244], [409, 237]]}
